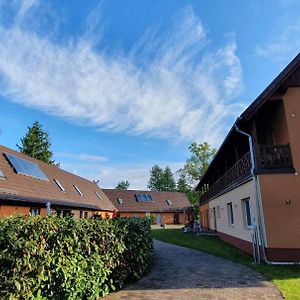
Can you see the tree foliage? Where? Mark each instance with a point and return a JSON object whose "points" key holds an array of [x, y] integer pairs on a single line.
{"points": [[161, 179], [36, 143], [123, 185], [197, 164]]}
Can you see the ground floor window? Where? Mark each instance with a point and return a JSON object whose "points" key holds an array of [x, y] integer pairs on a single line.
{"points": [[34, 211], [247, 213], [230, 213]]}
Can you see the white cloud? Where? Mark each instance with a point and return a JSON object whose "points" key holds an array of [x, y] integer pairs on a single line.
{"points": [[82, 157], [171, 85], [109, 176], [283, 42]]}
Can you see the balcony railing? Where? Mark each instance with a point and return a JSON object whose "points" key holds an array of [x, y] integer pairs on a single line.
{"points": [[275, 157], [272, 158], [239, 171]]}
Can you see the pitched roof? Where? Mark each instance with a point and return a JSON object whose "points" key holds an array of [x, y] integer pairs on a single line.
{"points": [[289, 76], [159, 204], [17, 187]]}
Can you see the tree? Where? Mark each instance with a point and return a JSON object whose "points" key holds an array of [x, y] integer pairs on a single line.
{"points": [[161, 179], [182, 185], [36, 143], [195, 167], [122, 185]]}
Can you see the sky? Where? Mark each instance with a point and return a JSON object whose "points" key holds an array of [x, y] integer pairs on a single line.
{"points": [[123, 85]]}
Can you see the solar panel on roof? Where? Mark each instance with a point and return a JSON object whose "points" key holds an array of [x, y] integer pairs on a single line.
{"points": [[26, 167], [149, 197], [143, 197]]}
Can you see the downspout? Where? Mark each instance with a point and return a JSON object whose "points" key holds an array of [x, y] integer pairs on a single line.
{"points": [[257, 196]]}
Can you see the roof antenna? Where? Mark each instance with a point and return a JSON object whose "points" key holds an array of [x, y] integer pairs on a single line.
{"points": [[96, 181]]}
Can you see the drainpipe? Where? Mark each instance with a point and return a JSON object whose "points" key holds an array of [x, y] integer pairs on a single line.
{"points": [[257, 196], [48, 205]]}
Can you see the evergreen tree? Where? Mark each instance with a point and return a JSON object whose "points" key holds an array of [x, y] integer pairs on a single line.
{"points": [[182, 185], [122, 185], [161, 179], [36, 143]]}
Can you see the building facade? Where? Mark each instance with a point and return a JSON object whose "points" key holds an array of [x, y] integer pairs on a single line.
{"points": [[162, 207], [29, 186], [250, 193]]}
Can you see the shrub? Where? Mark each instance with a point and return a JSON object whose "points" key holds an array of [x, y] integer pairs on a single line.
{"points": [[63, 258]]}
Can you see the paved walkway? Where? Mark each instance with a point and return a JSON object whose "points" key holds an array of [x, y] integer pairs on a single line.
{"points": [[181, 273]]}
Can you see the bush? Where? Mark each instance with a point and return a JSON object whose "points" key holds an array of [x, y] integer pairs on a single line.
{"points": [[63, 258]]}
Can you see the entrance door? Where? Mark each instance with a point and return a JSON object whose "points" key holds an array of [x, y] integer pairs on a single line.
{"points": [[176, 218], [158, 219], [215, 218]]}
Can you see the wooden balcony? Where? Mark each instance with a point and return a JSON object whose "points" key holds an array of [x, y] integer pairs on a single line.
{"points": [[240, 171], [270, 159], [274, 157]]}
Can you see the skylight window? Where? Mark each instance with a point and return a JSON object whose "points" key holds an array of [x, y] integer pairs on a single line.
{"points": [[26, 167], [120, 200], [59, 185], [144, 197], [2, 176], [98, 195], [169, 202], [78, 190]]}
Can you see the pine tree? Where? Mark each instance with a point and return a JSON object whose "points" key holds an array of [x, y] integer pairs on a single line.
{"points": [[169, 183], [123, 185], [161, 179], [36, 143]]}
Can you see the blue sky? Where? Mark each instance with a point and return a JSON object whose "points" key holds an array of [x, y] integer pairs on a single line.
{"points": [[122, 85]]}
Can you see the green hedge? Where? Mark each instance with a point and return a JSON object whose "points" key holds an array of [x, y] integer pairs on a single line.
{"points": [[63, 258]]}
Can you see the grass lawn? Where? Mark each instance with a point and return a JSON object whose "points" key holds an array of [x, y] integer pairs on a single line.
{"points": [[286, 278]]}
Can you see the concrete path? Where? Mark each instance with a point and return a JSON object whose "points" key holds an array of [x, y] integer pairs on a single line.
{"points": [[185, 274]]}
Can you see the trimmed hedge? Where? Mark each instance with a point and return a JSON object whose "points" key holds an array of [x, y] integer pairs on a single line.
{"points": [[63, 258]]}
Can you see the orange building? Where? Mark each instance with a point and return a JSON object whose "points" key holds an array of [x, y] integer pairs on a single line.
{"points": [[164, 207], [29, 186], [250, 193]]}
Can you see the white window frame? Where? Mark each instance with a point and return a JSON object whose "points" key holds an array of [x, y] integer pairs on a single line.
{"points": [[230, 214], [98, 195], [35, 211], [59, 185], [78, 190]]}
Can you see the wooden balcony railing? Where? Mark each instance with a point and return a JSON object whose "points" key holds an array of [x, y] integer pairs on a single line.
{"points": [[275, 157], [239, 171]]}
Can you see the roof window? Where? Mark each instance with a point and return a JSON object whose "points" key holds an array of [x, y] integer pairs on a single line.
{"points": [[98, 195], [78, 190], [120, 200], [2, 175], [60, 185], [169, 202]]}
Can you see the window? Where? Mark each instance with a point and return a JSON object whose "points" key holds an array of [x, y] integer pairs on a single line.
{"points": [[34, 211], [78, 190], [169, 202], [230, 213], [59, 185], [26, 167], [81, 214], [67, 213], [86, 214], [218, 212], [98, 195], [2, 176], [247, 213], [148, 214], [120, 200]]}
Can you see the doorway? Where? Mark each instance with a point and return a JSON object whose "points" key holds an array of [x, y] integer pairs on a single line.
{"points": [[176, 219]]}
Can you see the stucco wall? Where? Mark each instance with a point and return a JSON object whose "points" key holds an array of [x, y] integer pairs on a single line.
{"points": [[239, 228]]}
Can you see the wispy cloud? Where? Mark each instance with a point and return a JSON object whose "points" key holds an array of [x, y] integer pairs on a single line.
{"points": [[283, 43], [82, 157], [171, 85]]}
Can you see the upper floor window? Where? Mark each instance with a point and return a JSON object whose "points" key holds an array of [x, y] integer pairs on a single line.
{"points": [[247, 213], [230, 213], [78, 190], [59, 185]]}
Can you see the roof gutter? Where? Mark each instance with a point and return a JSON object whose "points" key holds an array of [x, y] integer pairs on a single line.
{"points": [[259, 203]]}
